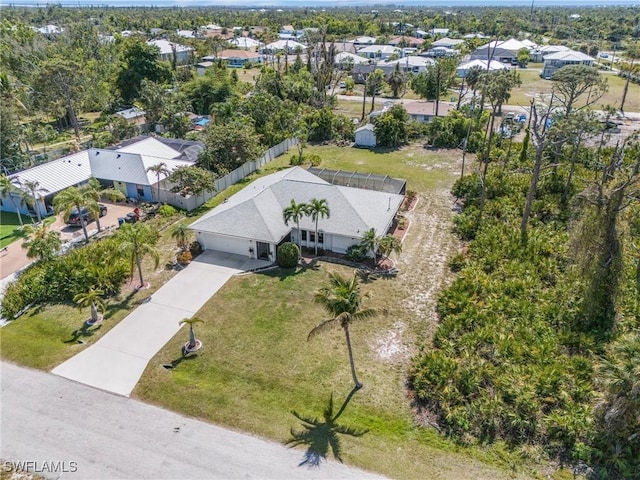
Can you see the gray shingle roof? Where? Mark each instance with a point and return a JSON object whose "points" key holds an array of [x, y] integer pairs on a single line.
{"points": [[256, 212]]}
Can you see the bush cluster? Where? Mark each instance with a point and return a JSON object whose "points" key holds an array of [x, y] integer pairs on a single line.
{"points": [[287, 255]]}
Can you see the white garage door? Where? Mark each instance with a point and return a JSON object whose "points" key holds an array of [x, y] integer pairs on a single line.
{"points": [[239, 246]]}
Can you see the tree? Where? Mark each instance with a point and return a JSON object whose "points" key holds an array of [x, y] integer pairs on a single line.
{"points": [[139, 62], [633, 54], [78, 198], [294, 212], [321, 434], [193, 342], [7, 188], [92, 298], [370, 242], [152, 100], [159, 169], [93, 191], [391, 127], [573, 81], [31, 194], [317, 209], [187, 181], [181, 233], [397, 81], [437, 79], [523, 56], [229, 146], [41, 243], [342, 300], [136, 241], [373, 84], [389, 244]]}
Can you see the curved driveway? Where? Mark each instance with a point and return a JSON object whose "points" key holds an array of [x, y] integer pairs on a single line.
{"points": [[46, 418]]}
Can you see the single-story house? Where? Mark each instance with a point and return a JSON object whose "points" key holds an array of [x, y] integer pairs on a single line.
{"points": [[484, 65], [496, 54], [245, 42], [364, 40], [439, 52], [169, 49], [424, 112], [366, 136], [250, 222], [343, 58], [133, 115], [201, 67], [439, 31], [555, 61], [447, 42], [382, 52], [124, 167], [239, 58], [288, 46], [411, 63], [406, 41]]}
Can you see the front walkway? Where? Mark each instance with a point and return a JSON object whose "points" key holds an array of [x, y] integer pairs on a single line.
{"points": [[116, 362]]}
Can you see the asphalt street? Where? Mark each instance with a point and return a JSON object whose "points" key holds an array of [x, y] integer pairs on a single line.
{"points": [[86, 433]]}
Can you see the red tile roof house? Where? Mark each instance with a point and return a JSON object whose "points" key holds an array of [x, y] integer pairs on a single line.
{"points": [[424, 112]]}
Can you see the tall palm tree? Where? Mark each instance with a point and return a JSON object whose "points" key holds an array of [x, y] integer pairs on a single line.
{"points": [[342, 300], [321, 434], [181, 233], [159, 169], [32, 193], [192, 338], [7, 187], [317, 209], [92, 298], [389, 244], [93, 189], [294, 212], [138, 240], [76, 197]]}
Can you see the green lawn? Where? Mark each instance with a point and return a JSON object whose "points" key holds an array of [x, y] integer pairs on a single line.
{"points": [[10, 230]]}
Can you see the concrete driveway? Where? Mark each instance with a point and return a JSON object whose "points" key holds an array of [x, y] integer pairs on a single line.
{"points": [[50, 419], [116, 362]]}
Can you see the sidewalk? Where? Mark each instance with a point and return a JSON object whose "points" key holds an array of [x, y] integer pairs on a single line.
{"points": [[116, 362]]}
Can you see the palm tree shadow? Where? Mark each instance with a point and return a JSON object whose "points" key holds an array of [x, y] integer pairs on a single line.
{"points": [[86, 330], [320, 435], [174, 363]]}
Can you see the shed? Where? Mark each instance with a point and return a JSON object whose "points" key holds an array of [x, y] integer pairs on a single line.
{"points": [[365, 136]]}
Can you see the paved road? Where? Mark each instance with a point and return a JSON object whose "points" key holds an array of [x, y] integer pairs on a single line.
{"points": [[115, 362], [49, 418]]}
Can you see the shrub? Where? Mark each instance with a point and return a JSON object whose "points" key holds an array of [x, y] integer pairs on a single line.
{"points": [[457, 262], [296, 160], [314, 159], [287, 255], [167, 210], [357, 253], [195, 249], [184, 257]]}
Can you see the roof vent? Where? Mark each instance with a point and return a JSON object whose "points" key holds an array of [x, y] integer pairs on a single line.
{"points": [[118, 156], [97, 153]]}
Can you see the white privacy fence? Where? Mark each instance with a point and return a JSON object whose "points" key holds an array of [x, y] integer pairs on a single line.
{"points": [[194, 201]]}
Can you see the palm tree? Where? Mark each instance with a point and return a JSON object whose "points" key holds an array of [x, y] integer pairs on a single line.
{"points": [[295, 211], [92, 298], [342, 299], [41, 243], [193, 342], [94, 191], [138, 240], [396, 80], [318, 209], [159, 169], [181, 233], [370, 242], [7, 187], [32, 193], [389, 244], [321, 434], [76, 197]]}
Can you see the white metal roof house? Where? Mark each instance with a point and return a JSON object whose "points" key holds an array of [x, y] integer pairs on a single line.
{"points": [[250, 223], [167, 49], [366, 136], [379, 51], [289, 46], [343, 58], [484, 65], [554, 61], [245, 42]]}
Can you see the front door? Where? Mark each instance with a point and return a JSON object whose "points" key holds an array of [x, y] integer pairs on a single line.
{"points": [[263, 250]]}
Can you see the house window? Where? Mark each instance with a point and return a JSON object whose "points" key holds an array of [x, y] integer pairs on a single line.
{"points": [[312, 236], [140, 190], [303, 235], [321, 238]]}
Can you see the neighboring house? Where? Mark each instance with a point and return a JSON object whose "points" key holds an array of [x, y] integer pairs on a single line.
{"points": [[287, 46], [447, 42], [187, 34], [424, 112], [555, 61], [439, 52], [364, 41], [245, 42], [343, 58], [124, 166], [250, 222], [420, 33], [409, 64], [169, 49], [201, 67], [406, 41], [133, 115], [366, 136], [49, 30], [287, 32], [434, 32], [463, 69], [496, 54], [379, 52], [239, 58]]}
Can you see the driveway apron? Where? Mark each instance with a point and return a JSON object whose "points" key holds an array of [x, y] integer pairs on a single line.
{"points": [[116, 362]]}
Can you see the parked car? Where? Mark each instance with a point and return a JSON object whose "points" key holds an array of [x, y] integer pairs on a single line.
{"points": [[74, 216]]}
